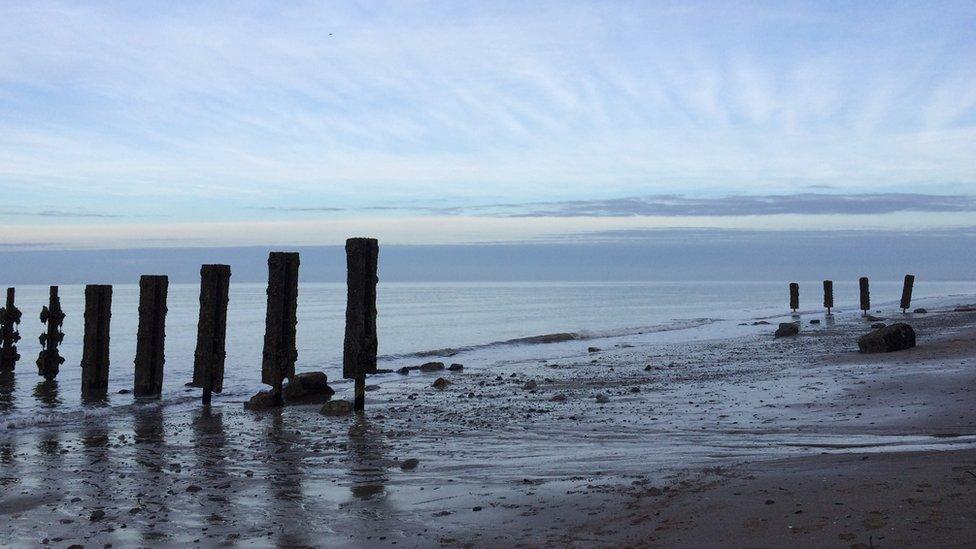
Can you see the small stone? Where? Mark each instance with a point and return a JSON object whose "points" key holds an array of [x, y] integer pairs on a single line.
{"points": [[372, 387], [135, 510], [530, 385], [403, 371], [877, 325], [920, 311], [308, 388], [559, 398], [476, 508], [97, 515], [193, 488], [456, 367], [787, 329], [431, 367], [815, 321], [336, 408], [648, 368], [125, 391], [409, 464], [602, 398], [440, 384], [593, 349]]}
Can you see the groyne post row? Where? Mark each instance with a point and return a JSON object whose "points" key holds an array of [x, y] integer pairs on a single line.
{"points": [[360, 343], [211, 349], [49, 361], [865, 294], [9, 335], [280, 354]]}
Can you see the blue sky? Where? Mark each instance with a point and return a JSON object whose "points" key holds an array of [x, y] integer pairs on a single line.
{"points": [[250, 123]]}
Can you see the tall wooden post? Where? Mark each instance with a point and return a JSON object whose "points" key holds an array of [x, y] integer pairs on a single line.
{"points": [[49, 360], [828, 294], [9, 335], [208, 359], [151, 336], [906, 293], [95, 354], [359, 347], [794, 296], [280, 353], [865, 295]]}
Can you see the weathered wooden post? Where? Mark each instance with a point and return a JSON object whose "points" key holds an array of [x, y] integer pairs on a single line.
{"points": [[280, 353], [794, 296], [208, 359], [865, 295], [151, 335], [828, 294], [359, 347], [48, 360], [9, 335], [906, 293], [95, 353]]}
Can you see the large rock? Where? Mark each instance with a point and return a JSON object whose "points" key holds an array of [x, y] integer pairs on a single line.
{"points": [[431, 366], [787, 329], [308, 388], [895, 337], [263, 400]]}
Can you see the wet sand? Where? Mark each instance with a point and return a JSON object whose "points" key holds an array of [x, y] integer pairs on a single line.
{"points": [[668, 444]]}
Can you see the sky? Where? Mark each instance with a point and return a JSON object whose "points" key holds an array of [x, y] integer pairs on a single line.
{"points": [[211, 124]]}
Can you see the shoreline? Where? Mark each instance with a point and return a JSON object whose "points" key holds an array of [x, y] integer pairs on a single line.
{"points": [[681, 422]]}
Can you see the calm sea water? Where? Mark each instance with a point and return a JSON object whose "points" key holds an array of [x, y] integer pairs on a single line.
{"points": [[471, 323]]}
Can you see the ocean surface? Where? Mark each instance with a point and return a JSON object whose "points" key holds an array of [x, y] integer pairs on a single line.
{"points": [[477, 324]]}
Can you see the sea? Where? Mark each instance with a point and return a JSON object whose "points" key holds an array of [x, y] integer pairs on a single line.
{"points": [[476, 324]]}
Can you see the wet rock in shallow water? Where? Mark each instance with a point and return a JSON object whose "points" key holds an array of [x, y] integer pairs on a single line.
{"points": [[456, 367], [530, 385], [403, 371], [648, 368], [263, 400], [193, 488], [920, 311], [97, 515], [559, 398], [815, 321], [787, 329], [896, 337], [431, 367], [760, 323], [440, 384], [409, 464], [964, 309], [308, 388], [602, 398], [125, 391], [593, 349], [336, 408], [877, 325]]}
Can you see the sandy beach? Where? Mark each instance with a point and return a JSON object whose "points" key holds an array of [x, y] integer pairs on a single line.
{"points": [[737, 441]]}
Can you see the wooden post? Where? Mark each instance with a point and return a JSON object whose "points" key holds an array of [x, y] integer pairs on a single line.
{"points": [[359, 347], [49, 360], [906, 293], [208, 359], [828, 294], [9, 335], [794, 296], [280, 353], [95, 354], [151, 336], [865, 295]]}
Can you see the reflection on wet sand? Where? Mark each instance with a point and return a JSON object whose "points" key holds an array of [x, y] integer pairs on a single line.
{"points": [[367, 462], [152, 505], [285, 477], [46, 392], [7, 386], [209, 442]]}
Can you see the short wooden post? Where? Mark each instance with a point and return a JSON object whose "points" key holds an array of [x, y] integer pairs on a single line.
{"points": [[906, 293], [208, 359], [360, 344], [151, 336], [49, 360], [828, 302], [865, 295], [280, 353], [9, 335], [95, 353], [794, 296]]}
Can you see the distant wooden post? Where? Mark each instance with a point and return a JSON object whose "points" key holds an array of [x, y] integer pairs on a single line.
{"points": [[794, 296], [828, 294], [95, 354], [48, 360], [906, 293], [208, 359], [151, 336], [359, 347], [280, 353], [9, 335], [865, 295]]}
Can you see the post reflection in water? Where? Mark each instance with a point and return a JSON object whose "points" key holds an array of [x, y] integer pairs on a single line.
{"points": [[209, 441], [367, 462], [46, 392], [286, 478], [152, 499], [7, 386]]}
